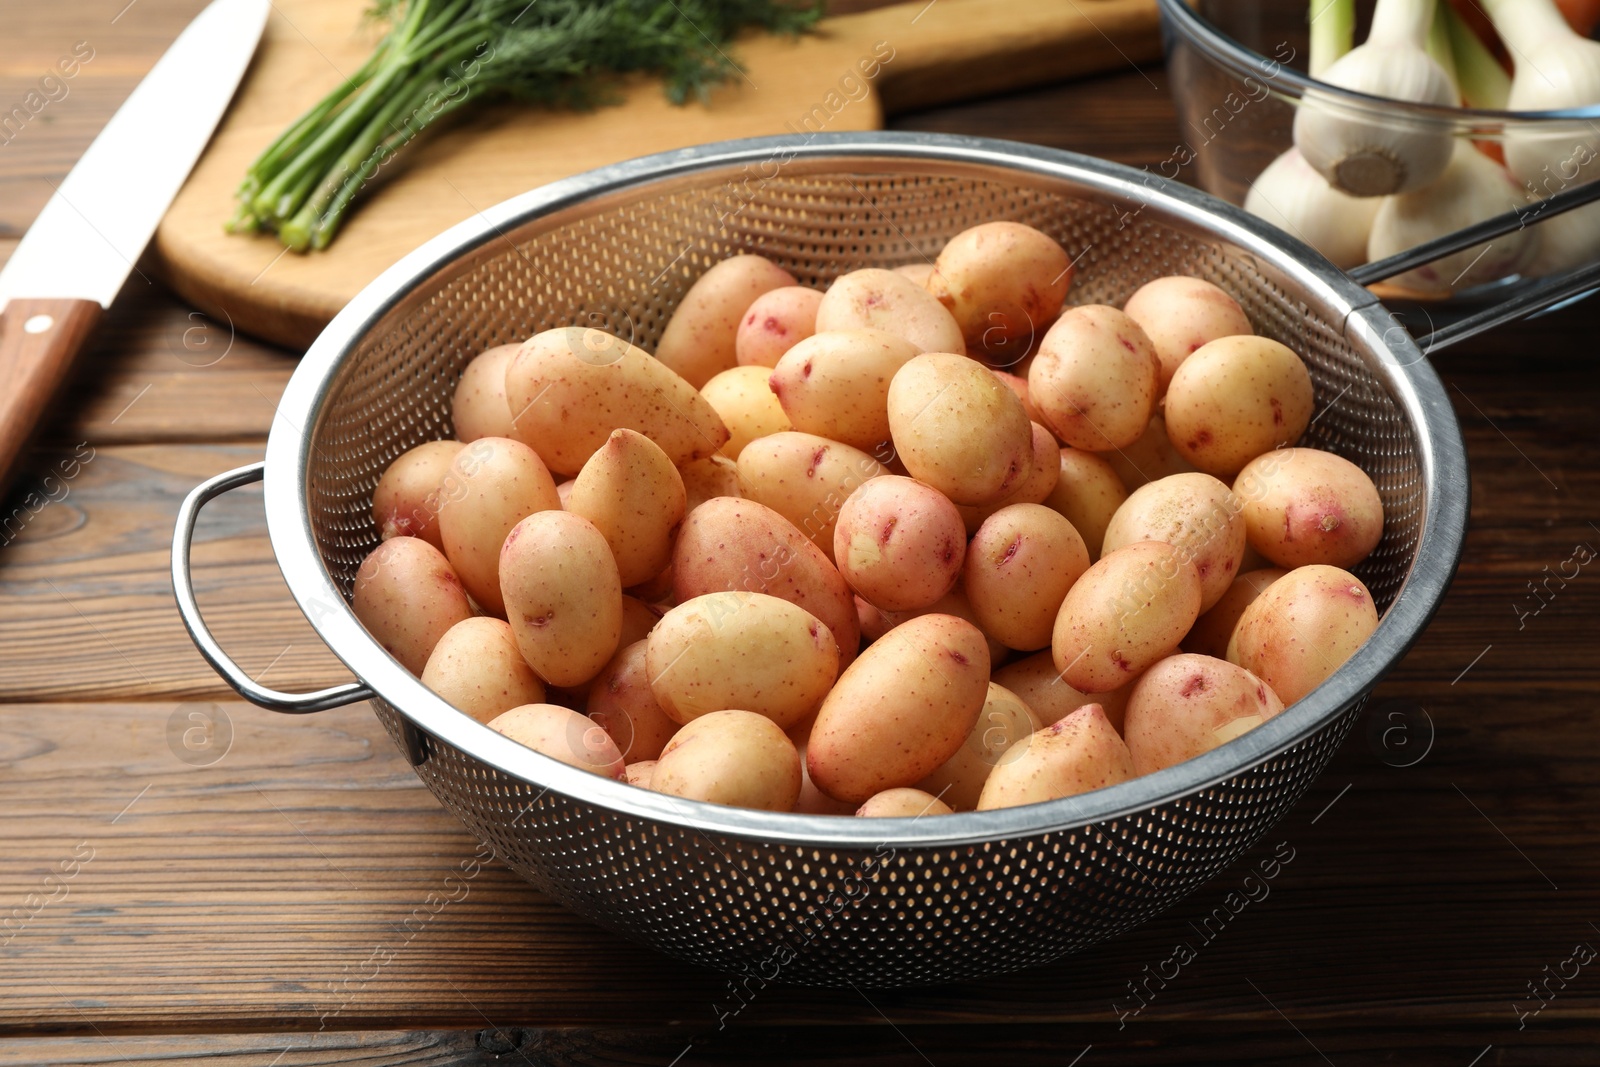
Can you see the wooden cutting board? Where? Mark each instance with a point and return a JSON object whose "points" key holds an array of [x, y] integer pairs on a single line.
{"points": [[924, 53]]}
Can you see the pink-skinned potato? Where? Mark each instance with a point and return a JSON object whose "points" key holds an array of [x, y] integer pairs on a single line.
{"points": [[478, 669], [1129, 610], [1020, 565], [1004, 721], [877, 299], [959, 428], [562, 734], [563, 596], [899, 543], [701, 338], [408, 597], [1180, 314], [955, 602], [1187, 705], [1004, 283], [902, 803], [479, 407], [1078, 754], [494, 483], [1036, 682], [1214, 629], [775, 322], [1044, 473], [710, 477], [641, 773], [1094, 378], [1235, 399], [1303, 628], [635, 497], [733, 757], [1305, 506], [1194, 513], [836, 384], [806, 479], [621, 701], [408, 496]]}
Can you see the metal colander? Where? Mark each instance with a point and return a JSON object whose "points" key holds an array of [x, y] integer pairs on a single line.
{"points": [[815, 899]]}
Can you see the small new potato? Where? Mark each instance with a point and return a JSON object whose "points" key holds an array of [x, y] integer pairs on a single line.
{"points": [[806, 479], [1194, 513], [622, 702], [731, 757], [1127, 611], [478, 669], [884, 300], [1044, 473], [775, 322], [1087, 493], [640, 774], [408, 496], [1304, 506], [701, 338], [408, 597], [1004, 283], [1180, 314], [740, 650], [494, 483], [1019, 567], [899, 543], [956, 603], [1004, 721], [1094, 378], [634, 496], [1303, 628], [479, 407], [917, 272], [902, 803], [563, 596], [836, 384], [1214, 629], [1187, 705], [813, 801], [1016, 380], [746, 405], [1150, 458], [959, 428], [563, 734], [1037, 683], [901, 709], [1235, 399], [706, 478], [1078, 754]]}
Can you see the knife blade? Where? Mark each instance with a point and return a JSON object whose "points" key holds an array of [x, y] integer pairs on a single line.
{"points": [[75, 257]]}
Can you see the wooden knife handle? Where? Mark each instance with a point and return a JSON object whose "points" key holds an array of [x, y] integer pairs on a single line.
{"points": [[38, 340]]}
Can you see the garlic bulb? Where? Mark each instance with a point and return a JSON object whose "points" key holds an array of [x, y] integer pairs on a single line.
{"points": [[1555, 69], [1569, 240], [1295, 198], [1472, 188], [1362, 150]]}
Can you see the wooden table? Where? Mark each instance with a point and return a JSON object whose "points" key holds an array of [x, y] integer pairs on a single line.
{"points": [[248, 904]]}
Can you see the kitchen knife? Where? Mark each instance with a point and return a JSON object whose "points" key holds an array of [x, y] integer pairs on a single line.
{"points": [[81, 248]]}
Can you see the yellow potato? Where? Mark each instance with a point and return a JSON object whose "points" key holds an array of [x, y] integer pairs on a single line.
{"points": [[706, 478], [775, 322], [727, 543], [959, 428], [1235, 399], [1004, 721], [900, 710], [813, 801], [408, 596], [731, 757], [1079, 754], [1043, 474], [746, 405], [569, 388], [1187, 705], [1303, 628], [1304, 506], [1019, 567], [1149, 458], [877, 299], [701, 338], [836, 384], [634, 496], [562, 734], [407, 499], [806, 479], [479, 408], [1127, 611], [902, 803], [477, 667], [494, 483], [1004, 283], [1194, 513], [622, 702], [1214, 629], [1180, 314], [741, 650], [1094, 378], [640, 774], [899, 543], [563, 596], [1087, 493]]}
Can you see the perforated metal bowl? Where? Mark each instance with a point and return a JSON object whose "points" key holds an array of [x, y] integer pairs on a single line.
{"points": [[814, 899]]}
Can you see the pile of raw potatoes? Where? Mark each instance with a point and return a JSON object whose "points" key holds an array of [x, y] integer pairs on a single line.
{"points": [[818, 554]]}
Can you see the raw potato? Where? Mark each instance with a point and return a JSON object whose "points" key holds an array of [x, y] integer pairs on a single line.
{"points": [[701, 338], [1004, 283], [1187, 705], [563, 734], [956, 603], [1019, 567], [813, 801], [731, 757], [479, 408], [1149, 458], [1088, 492], [634, 496], [728, 543], [494, 483], [1017, 382], [741, 650], [408, 596], [478, 669], [959, 428], [1094, 378], [1126, 612], [570, 387], [806, 479], [901, 710], [1194, 513], [917, 272], [621, 701], [1235, 399], [563, 596], [899, 543], [638, 619], [1180, 314], [407, 499], [1079, 754], [1004, 721], [640, 774], [775, 322], [1043, 474], [746, 405], [836, 384], [902, 803], [1213, 630], [1303, 628], [1304, 506], [706, 478], [884, 300]]}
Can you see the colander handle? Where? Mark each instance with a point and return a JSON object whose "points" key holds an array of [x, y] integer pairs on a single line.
{"points": [[183, 589]]}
